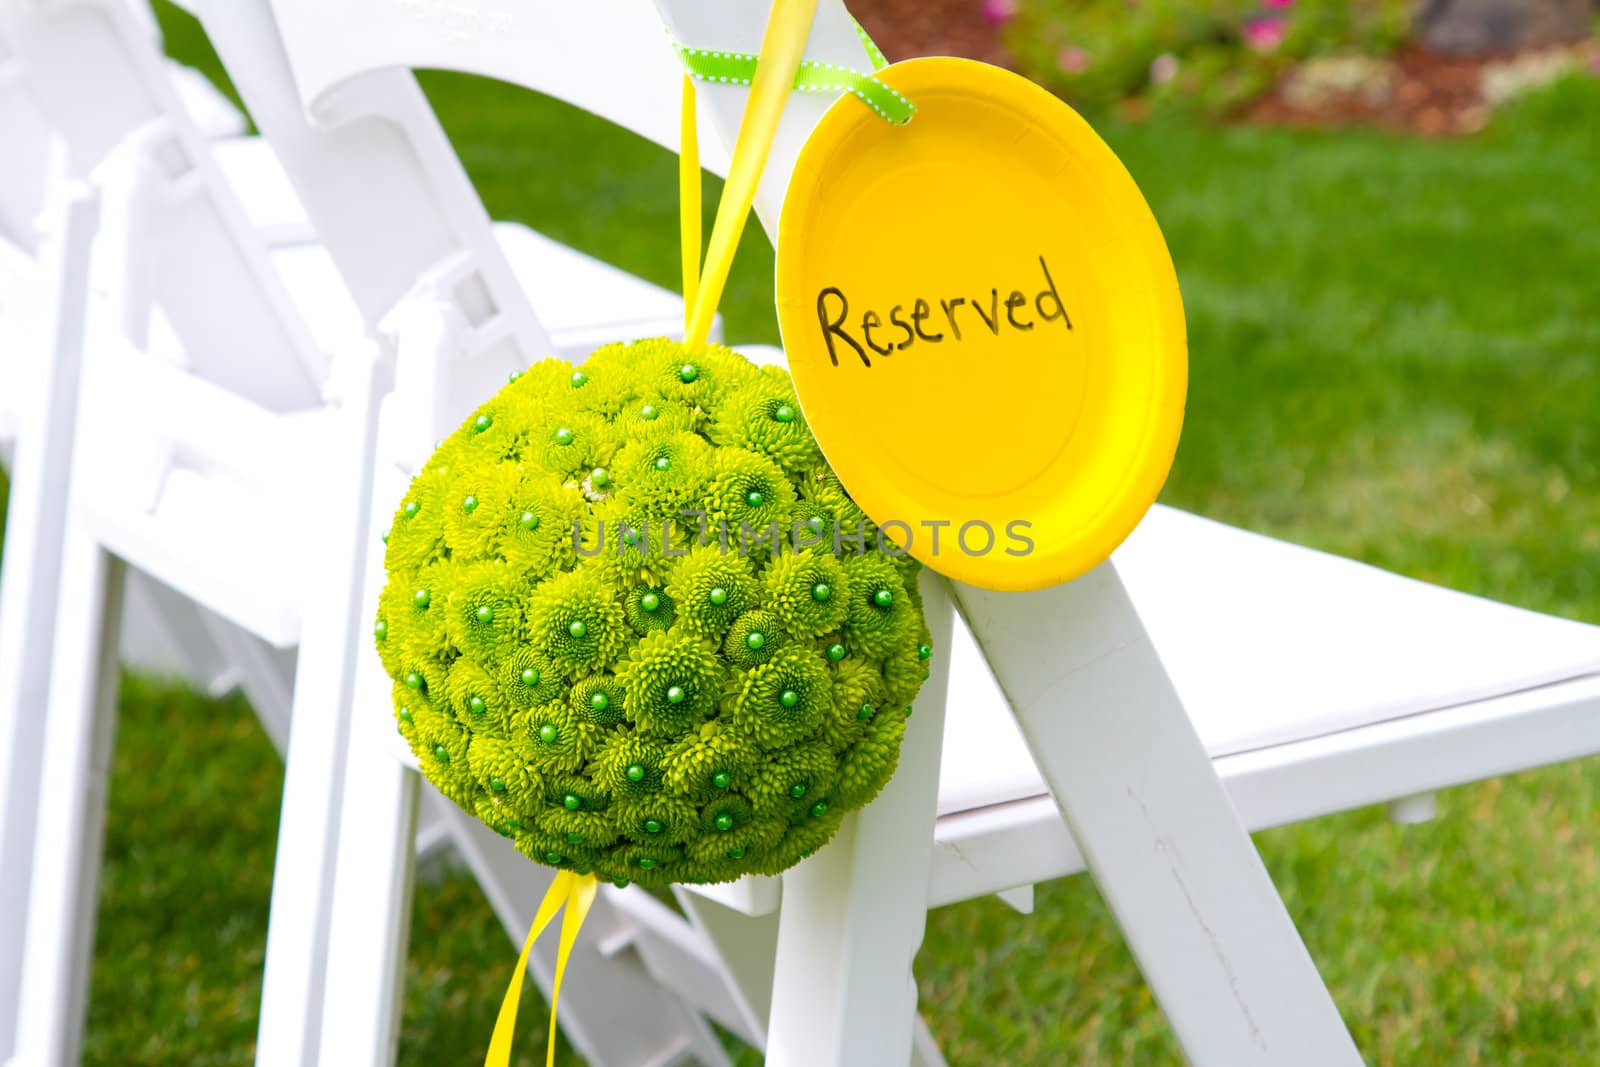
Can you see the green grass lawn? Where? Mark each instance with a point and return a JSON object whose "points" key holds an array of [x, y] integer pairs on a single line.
{"points": [[1394, 354]]}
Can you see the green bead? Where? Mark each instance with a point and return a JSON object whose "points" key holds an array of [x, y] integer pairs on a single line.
{"points": [[599, 702], [497, 785], [529, 521], [754, 499], [631, 538], [530, 676], [718, 596], [651, 826], [736, 853], [646, 863], [512, 824], [724, 822], [422, 598], [564, 437], [784, 414], [572, 802], [635, 772], [552, 857], [414, 680], [722, 779], [924, 651], [649, 413], [819, 809], [485, 614], [482, 423], [579, 379], [688, 373], [469, 505], [798, 790], [574, 839], [909, 710], [385, 537], [650, 602], [756, 641], [789, 698], [836, 652], [815, 524], [821, 593], [477, 706], [548, 733], [405, 714], [578, 628], [411, 509], [865, 713], [381, 630], [621, 883], [441, 753], [513, 376], [600, 477], [883, 598], [664, 463], [676, 695]]}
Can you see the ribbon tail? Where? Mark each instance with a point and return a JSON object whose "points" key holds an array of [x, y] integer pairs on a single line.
{"points": [[689, 221], [782, 50], [505, 1025], [580, 898]]}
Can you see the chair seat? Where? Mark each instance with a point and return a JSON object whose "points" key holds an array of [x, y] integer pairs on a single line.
{"points": [[1269, 643], [582, 301]]}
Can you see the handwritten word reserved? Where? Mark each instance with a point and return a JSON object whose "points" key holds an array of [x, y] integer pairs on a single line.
{"points": [[1016, 311]]}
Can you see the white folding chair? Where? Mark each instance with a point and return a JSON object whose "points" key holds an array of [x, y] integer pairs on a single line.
{"points": [[1318, 684], [231, 438], [44, 293]]}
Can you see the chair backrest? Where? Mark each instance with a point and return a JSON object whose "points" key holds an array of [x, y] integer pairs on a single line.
{"points": [[25, 146], [386, 194], [611, 57], [186, 253]]}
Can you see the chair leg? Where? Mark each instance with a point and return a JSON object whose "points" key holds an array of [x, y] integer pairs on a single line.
{"points": [[1162, 841], [854, 914], [309, 824], [30, 583], [70, 830]]}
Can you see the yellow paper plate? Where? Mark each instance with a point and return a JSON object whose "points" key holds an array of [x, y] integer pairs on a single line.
{"points": [[984, 325]]}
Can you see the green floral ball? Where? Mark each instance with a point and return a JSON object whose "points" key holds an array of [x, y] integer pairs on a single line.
{"points": [[636, 624]]}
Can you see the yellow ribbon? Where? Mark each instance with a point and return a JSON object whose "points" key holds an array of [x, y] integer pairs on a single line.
{"points": [[782, 49], [575, 892]]}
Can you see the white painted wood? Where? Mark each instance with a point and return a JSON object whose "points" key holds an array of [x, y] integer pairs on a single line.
{"points": [[852, 916], [1160, 838], [36, 523], [1018, 899], [745, 948], [76, 762]]}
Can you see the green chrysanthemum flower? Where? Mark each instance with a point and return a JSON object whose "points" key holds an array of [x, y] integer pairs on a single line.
{"points": [[785, 700], [711, 589], [688, 702], [672, 680], [576, 620], [810, 594]]}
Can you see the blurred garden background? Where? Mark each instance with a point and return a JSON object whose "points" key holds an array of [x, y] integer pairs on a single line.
{"points": [[1385, 219]]}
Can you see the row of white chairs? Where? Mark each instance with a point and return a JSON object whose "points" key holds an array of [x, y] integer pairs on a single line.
{"points": [[253, 341]]}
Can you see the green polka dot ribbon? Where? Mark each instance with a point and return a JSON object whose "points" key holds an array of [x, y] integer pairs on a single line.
{"points": [[738, 68]]}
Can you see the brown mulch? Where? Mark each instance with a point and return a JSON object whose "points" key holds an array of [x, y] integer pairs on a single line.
{"points": [[1430, 94], [908, 28]]}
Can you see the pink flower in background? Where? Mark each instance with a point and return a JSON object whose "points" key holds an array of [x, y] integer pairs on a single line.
{"points": [[998, 11], [1073, 60], [1264, 35], [1594, 60], [1163, 68], [1277, 3]]}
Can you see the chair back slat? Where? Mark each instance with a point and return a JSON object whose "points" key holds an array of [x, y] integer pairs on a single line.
{"points": [[25, 146], [610, 57], [182, 240]]}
